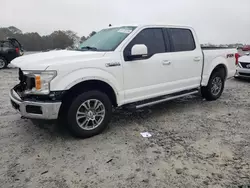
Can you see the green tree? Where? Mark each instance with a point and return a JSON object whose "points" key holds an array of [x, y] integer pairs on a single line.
{"points": [[92, 33]]}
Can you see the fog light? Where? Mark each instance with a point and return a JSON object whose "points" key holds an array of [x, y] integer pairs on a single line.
{"points": [[33, 109]]}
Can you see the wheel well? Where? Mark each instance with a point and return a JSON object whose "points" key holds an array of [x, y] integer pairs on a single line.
{"points": [[2, 57], [91, 85], [221, 67]]}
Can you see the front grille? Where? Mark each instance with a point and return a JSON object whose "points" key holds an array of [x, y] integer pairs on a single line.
{"points": [[27, 82], [245, 65]]}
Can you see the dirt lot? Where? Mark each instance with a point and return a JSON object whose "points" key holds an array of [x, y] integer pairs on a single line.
{"points": [[195, 143]]}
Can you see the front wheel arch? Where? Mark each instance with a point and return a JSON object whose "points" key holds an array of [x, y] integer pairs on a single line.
{"points": [[85, 86]]}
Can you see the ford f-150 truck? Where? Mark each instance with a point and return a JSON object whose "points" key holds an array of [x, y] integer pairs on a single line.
{"points": [[130, 66]]}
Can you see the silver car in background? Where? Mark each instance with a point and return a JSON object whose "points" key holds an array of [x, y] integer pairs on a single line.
{"points": [[243, 69]]}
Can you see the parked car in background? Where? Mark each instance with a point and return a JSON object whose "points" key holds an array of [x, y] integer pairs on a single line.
{"points": [[9, 50], [246, 48], [243, 69], [124, 66], [239, 47]]}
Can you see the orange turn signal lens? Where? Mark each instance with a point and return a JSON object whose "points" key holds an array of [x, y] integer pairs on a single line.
{"points": [[38, 82]]}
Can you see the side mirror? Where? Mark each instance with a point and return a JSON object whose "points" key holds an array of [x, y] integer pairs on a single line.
{"points": [[248, 53], [139, 50]]}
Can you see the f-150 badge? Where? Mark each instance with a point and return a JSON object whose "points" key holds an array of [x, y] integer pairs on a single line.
{"points": [[113, 64]]}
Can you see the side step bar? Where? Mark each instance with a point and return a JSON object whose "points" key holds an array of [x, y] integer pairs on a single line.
{"points": [[165, 99], [150, 102]]}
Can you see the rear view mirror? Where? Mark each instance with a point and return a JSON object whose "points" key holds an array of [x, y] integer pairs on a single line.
{"points": [[139, 50]]}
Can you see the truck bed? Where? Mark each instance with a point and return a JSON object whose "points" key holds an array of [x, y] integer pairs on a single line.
{"points": [[223, 55]]}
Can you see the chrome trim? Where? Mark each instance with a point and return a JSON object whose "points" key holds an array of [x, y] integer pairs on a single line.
{"points": [[90, 114], [49, 110], [166, 99]]}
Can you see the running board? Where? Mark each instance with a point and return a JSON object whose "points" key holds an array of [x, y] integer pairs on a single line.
{"points": [[158, 100], [164, 100]]}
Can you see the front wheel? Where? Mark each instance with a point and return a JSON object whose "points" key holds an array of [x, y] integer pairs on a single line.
{"points": [[89, 114], [215, 86]]}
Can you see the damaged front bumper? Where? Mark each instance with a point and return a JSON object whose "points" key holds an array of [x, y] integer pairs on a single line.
{"points": [[47, 110]]}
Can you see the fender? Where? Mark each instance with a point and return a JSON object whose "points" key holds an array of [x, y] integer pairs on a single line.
{"points": [[215, 62], [72, 78]]}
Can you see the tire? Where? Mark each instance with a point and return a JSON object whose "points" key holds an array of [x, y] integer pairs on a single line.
{"points": [[3, 63], [208, 92], [100, 116]]}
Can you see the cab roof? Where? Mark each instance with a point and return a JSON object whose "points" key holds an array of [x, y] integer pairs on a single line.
{"points": [[151, 25]]}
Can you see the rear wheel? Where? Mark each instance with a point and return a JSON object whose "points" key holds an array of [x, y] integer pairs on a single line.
{"points": [[215, 86], [89, 114], [3, 63]]}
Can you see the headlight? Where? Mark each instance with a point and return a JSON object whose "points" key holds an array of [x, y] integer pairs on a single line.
{"points": [[41, 81]]}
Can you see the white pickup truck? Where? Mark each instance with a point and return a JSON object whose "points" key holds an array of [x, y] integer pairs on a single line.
{"points": [[130, 66]]}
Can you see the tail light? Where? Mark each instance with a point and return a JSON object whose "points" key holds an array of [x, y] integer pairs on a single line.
{"points": [[237, 55], [17, 50]]}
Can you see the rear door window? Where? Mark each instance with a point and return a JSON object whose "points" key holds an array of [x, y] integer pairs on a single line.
{"points": [[16, 44], [181, 39], [6, 44]]}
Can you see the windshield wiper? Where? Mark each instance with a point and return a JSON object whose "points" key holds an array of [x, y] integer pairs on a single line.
{"points": [[88, 48]]}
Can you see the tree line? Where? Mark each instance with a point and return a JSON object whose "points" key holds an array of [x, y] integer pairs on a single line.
{"points": [[35, 42]]}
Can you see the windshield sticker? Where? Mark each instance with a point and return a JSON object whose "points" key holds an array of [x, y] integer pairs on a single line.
{"points": [[127, 31]]}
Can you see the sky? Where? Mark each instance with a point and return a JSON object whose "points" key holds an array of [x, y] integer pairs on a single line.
{"points": [[215, 21]]}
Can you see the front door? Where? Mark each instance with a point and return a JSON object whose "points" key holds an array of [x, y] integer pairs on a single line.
{"points": [[146, 77]]}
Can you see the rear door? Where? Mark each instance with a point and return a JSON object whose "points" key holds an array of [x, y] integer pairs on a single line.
{"points": [[185, 57]]}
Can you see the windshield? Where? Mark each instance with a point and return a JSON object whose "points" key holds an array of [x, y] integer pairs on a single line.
{"points": [[106, 39]]}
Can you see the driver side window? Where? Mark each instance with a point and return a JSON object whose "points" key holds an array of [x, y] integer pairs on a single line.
{"points": [[152, 38]]}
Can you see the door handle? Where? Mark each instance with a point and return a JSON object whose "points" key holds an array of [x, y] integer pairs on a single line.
{"points": [[197, 59], [166, 62]]}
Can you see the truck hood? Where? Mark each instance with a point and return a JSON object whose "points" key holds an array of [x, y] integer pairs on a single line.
{"points": [[245, 59], [42, 60]]}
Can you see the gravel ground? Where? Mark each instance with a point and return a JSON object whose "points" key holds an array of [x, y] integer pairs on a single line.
{"points": [[194, 143]]}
